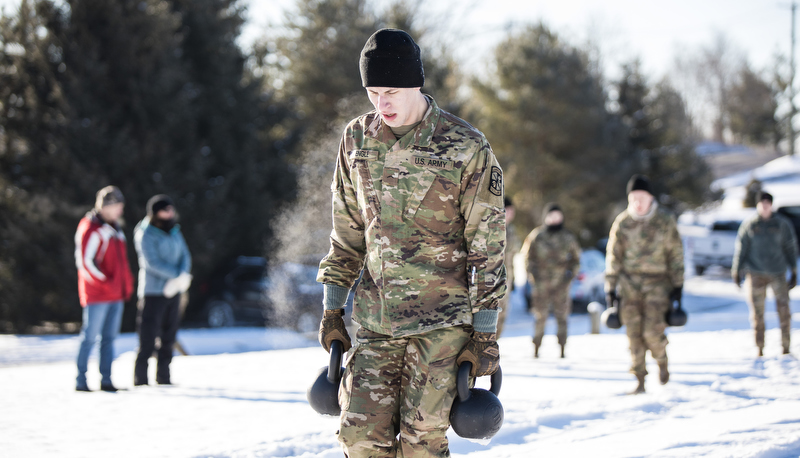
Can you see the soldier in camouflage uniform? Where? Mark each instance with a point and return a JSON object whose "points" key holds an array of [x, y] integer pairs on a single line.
{"points": [[644, 270], [552, 258], [766, 247], [512, 247], [418, 205]]}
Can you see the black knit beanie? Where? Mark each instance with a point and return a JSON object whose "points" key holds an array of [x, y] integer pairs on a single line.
{"points": [[639, 183], [551, 207], [157, 203], [763, 195], [390, 58]]}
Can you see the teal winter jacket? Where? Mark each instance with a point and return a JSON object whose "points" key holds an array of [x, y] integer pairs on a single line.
{"points": [[162, 256]]}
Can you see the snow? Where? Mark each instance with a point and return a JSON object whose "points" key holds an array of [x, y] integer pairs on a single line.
{"points": [[242, 393]]}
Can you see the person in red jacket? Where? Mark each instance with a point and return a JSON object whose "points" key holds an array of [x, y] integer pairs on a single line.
{"points": [[104, 282]]}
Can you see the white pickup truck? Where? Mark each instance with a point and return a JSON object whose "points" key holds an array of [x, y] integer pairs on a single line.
{"points": [[710, 238]]}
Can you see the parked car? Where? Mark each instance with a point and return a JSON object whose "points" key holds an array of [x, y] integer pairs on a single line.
{"points": [[710, 238], [286, 295], [588, 284]]}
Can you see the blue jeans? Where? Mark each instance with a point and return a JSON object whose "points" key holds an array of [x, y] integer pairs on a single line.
{"points": [[99, 319]]}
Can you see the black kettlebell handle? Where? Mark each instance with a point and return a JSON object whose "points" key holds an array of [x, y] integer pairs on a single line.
{"points": [[335, 365], [462, 381]]}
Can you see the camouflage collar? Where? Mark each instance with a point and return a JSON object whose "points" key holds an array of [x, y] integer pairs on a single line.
{"points": [[420, 136], [647, 216]]}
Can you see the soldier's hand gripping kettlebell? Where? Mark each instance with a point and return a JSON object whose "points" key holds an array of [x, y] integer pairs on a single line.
{"points": [[332, 328], [483, 352]]}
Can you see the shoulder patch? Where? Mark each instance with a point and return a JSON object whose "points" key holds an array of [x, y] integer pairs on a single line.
{"points": [[496, 181]]}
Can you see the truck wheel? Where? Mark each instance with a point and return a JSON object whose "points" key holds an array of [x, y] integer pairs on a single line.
{"points": [[220, 314], [699, 270]]}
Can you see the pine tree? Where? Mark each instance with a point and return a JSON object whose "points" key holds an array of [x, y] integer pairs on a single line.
{"points": [[154, 97], [543, 112]]}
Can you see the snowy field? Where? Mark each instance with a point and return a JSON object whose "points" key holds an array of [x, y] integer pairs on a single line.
{"points": [[242, 393]]}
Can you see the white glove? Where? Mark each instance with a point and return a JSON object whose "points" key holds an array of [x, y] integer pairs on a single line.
{"points": [[177, 285]]}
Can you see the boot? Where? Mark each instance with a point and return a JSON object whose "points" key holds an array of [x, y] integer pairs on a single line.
{"points": [[663, 373], [639, 388], [562, 349], [760, 351], [785, 350], [535, 351]]}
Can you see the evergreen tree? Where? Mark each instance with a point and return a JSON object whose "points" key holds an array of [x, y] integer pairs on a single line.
{"points": [[660, 139], [543, 112], [153, 97]]}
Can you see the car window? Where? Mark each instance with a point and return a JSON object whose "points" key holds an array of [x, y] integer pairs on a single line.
{"points": [[726, 226]]}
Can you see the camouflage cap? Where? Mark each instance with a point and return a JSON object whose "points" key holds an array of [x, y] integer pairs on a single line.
{"points": [[107, 196]]}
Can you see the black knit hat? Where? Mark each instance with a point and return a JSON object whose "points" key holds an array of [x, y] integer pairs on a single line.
{"points": [[158, 203], [551, 207], [390, 58], [639, 183], [763, 195]]}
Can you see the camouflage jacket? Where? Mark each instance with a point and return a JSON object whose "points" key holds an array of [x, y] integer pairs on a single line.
{"points": [[644, 246], [765, 246], [550, 254], [424, 217]]}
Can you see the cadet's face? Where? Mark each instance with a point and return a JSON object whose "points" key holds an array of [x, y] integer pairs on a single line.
{"points": [[640, 201], [554, 218], [166, 213], [764, 209], [398, 106], [111, 213]]}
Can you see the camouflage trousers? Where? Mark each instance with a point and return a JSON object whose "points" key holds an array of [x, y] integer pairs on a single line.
{"points": [[396, 393], [756, 288], [645, 301], [547, 295]]}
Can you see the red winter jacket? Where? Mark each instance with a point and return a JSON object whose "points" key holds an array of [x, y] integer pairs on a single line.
{"points": [[101, 256]]}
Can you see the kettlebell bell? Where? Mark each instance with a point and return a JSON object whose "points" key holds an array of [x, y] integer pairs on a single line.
{"points": [[476, 413], [676, 316], [610, 316], [323, 395]]}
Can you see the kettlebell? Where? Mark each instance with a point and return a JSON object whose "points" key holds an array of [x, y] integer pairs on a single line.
{"points": [[676, 316], [323, 395], [610, 316], [476, 413]]}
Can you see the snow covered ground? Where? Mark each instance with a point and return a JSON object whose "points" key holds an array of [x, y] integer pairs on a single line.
{"points": [[242, 393]]}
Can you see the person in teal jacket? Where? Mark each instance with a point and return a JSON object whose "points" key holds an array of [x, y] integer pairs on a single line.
{"points": [[766, 247], [164, 266]]}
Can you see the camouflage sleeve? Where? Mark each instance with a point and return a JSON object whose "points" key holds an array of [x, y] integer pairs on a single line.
{"points": [[575, 247], [674, 248], [485, 229], [527, 252], [614, 253], [343, 263], [741, 247]]}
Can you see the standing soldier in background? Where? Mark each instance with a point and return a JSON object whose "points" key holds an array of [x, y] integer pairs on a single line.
{"points": [[766, 247], [104, 282], [418, 205], [644, 261], [512, 247], [552, 259]]}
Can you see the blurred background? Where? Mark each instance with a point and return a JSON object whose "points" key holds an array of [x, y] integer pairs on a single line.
{"points": [[235, 109]]}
